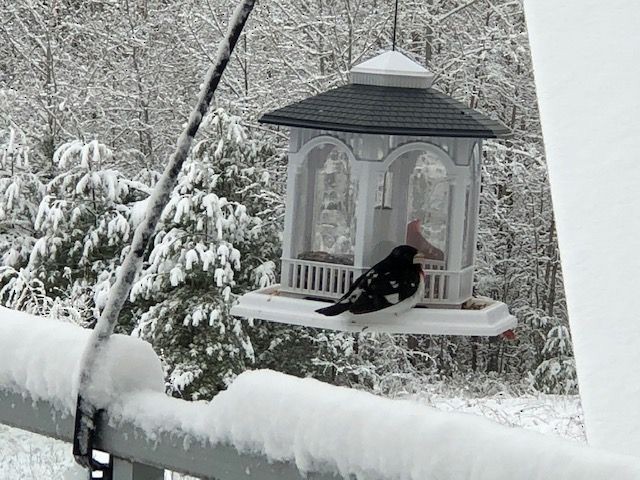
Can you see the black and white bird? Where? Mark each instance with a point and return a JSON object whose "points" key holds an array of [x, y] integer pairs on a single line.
{"points": [[392, 286]]}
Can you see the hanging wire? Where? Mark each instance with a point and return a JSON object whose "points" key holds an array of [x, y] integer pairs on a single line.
{"points": [[395, 24]]}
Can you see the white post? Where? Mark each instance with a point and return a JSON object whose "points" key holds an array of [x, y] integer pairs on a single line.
{"points": [[590, 126], [291, 201], [291, 210], [477, 182]]}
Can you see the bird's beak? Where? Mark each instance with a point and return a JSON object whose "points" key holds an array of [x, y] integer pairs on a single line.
{"points": [[419, 258]]}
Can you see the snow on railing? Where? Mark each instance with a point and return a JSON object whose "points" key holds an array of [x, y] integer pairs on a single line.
{"points": [[39, 356], [269, 425], [141, 456]]}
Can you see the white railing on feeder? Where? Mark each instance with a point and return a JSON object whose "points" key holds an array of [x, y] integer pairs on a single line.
{"points": [[446, 287], [327, 280], [332, 280]]}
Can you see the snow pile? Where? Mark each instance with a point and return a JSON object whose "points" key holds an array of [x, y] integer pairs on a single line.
{"points": [[40, 357], [585, 56], [332, 429]]}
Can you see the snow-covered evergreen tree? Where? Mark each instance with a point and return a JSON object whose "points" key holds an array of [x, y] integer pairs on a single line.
{"points": [[218, 238], [557, 372], [20, 192]]}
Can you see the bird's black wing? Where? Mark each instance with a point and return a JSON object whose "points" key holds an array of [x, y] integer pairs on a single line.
{"points": [[382, 288], [355, 289], [347, 300]]}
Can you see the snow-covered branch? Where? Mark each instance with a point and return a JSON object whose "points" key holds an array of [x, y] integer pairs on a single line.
{"points": [[160, 197]]}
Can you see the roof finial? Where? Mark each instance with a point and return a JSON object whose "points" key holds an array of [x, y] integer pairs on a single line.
{"points": [[395, 24], [391, 69]]}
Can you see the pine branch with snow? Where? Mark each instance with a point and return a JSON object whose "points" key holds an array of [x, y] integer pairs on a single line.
{"points": [[216, 239]]}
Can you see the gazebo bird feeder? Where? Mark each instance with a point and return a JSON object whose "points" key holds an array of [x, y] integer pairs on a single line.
{"points": [[383, 161]]}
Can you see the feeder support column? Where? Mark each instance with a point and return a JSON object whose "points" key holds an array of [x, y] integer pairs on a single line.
{"points": [[290, 241], [476, 185], [456, 232], [291, 199], [367, 184]]}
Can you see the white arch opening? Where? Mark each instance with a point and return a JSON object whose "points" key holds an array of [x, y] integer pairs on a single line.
{"points": [[325, 220]]}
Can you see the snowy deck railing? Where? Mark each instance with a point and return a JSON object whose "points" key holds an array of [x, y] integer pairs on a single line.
{"points": [[266, 425], [138, 456], [143, 429]]}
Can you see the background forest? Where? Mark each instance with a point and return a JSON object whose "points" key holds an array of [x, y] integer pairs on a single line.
{"points": [[92, 98]]}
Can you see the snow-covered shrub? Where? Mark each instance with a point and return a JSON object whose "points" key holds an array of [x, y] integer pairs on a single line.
{"points": [[20, 193], [383, 363], [82, 223], [557, 372]]}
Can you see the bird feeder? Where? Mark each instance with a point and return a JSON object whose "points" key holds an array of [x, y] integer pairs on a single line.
{"points": [[383, 161]]}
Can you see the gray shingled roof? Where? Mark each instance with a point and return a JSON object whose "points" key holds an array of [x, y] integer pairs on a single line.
{"points": [[387, 110]]}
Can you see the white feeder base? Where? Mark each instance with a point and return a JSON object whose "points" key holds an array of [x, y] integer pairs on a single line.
{"points": [[481, 316]]}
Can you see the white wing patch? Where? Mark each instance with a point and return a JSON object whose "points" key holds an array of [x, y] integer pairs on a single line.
{"points": [[353, 297], [393, 298]]}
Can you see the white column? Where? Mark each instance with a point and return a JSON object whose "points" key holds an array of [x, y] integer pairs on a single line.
{"points": [[293, 192], [590, 124], [456, 232], [476, 163], [291, 202], [367, 183], [289, 239]]}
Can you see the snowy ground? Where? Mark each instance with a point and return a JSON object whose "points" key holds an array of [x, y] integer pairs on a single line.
{"points": [[24, 455], [27, 456], [549, 414]]}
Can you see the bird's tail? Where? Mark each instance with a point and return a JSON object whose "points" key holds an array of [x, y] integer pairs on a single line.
{"points": [[333, 310]]}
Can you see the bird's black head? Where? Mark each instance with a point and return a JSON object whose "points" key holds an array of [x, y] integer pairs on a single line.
{"points": [[404, 253]]}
